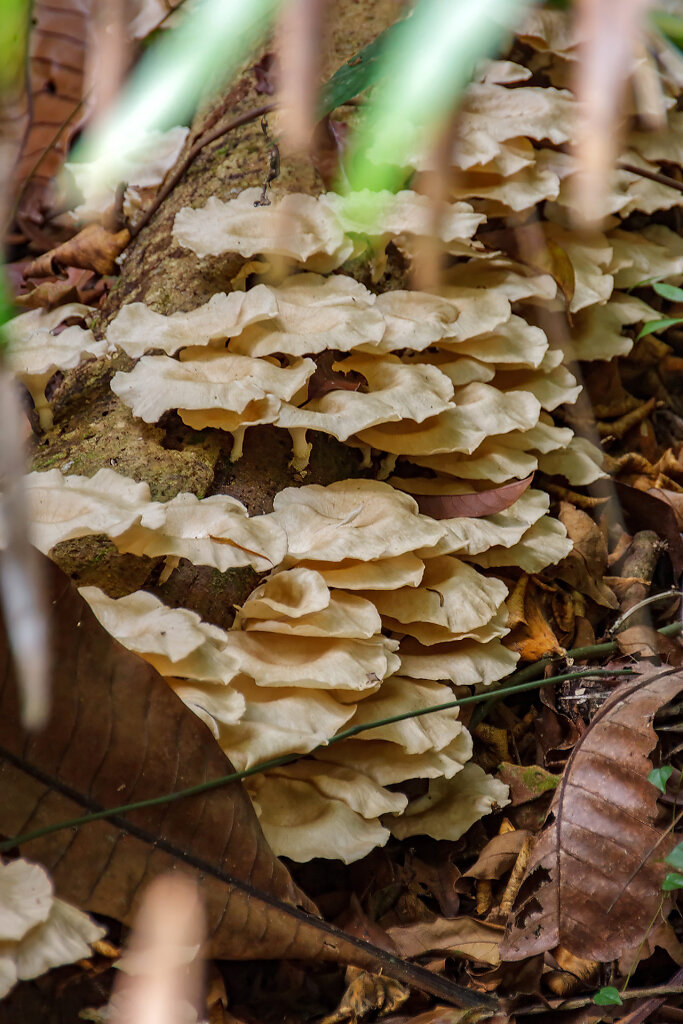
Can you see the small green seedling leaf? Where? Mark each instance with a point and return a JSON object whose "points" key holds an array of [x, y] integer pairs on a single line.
{"points": [[658, 325], [607, 996], [672, 881], [644, 283], [660, 776], [668, 291], [675, 858]]}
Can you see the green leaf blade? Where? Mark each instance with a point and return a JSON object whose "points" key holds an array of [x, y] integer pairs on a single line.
{"points": [[658, 325], [675, 858], [354, 77], [660, 776], [668, 291], [424, 69], [608, 995]]}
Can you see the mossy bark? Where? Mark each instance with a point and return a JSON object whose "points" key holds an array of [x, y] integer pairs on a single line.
{"points": [[93, 429]]}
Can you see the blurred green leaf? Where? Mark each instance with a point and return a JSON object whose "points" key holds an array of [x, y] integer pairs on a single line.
{"points": [[660, 776], [14, 25], [668, 291], [675, 858], [207, 48], [6, 308], [354, 77], [607, 996], [672, 882], [670, 25], [423, 70], [658, 325]]}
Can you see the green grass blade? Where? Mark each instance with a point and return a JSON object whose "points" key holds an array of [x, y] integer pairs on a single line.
{"points": [[354, 77], [670, 25], [14, 25], [423, 70], [658, 325]]}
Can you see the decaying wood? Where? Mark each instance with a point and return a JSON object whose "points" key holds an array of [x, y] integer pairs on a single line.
{"points": [[93, 429]]}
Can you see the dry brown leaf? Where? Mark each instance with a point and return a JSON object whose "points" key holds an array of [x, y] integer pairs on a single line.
{"points": [[118, 733], [534, 246], [526, 782], [645, 508], [473, 505], [55, 292], [329, 144], [585, 565], [365, 994], [326, 379], [498, 856], [593, 883], [531, 635], [574, 973], [93, 248], [475, 940], [447, 1015], [57, 48]]}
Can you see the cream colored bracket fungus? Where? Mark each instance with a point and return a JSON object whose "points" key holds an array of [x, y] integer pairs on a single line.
{"points": [[41, 342], [369, 608], [37, 931]]}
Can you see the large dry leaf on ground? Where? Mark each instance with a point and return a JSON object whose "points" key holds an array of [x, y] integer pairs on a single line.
{"points": [[117, 734], [464, 936], [586, 887], [57, 49]]}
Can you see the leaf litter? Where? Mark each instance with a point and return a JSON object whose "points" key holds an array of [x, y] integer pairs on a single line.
{"points": [[446, 897]]}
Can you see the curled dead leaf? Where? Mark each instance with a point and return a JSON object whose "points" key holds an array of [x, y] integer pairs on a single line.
{"points": [[93, 248], [595, 875], [530, 616], [473, 505], [326, 378]]}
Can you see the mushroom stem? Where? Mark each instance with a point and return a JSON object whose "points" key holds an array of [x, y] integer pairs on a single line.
{"points": [[301, 449]]}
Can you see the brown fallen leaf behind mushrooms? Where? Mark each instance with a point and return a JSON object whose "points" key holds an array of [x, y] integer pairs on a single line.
{"points": [[474, 504], [594, 879], [56, 110], [117, 734], [93, 248]]}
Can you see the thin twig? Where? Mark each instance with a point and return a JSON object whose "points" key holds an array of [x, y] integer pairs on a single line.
{"points": [[278, 762], [652, 599], [576, 1004], [181, 169], [537, 668], [580, 653], [661, 179]]}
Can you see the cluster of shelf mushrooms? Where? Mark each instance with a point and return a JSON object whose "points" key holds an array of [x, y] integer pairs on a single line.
{"points": [[370, 607]]}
